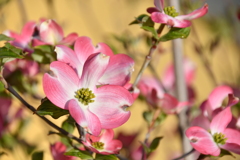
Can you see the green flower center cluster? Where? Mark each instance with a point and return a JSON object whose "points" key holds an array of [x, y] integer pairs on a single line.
{"points": [[219, 138], [171, 11], [84, 95], [98, 145]]}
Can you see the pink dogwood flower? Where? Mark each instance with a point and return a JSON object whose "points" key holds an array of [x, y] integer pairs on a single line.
{"points": [[23, 40], [119, 69], [51, 33], [169, 16], [103, 144], [58, 149], [210, 142], [5, 119], [93, 107]]}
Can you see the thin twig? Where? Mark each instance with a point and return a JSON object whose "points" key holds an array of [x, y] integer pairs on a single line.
{"points": [[62, 131], [184, 155], [145, 64]]}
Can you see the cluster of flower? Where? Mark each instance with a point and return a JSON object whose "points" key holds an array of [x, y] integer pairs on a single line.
{"points": [[91, 82]]}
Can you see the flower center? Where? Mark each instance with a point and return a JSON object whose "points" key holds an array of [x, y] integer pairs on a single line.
{"points": [[85, 96], [219, 138], [98, 145], [171, 11]]}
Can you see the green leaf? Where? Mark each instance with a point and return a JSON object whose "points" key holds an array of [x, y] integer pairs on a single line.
{"points": [[139, 19], [155, 143], [8, 53], [152, 30], [106, 157], [175, 33], [5, 38], [148, 116], [48, 108], [78, 153], [37, 156], [68, 124]]}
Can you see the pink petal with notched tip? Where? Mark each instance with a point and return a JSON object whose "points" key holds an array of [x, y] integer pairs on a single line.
{"points": [[84, 117], [233, 140], [84, 48], [118, 71], [219, 124], [168, 20], [217, 96], [60, 87], [195, 14], [67, 55], [110, 104], [93, 69], [202, 141], [50, 32], [70, 39]]}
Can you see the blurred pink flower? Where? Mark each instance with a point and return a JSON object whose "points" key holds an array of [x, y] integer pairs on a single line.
{"points": [[23, 40], [92, 107], [169, 16], [103, 144], [58, 149], [119, 69], [51, 33], [28, 67], [5, 119]]}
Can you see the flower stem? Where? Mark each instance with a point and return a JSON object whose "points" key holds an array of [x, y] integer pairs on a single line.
{"points": [[145, 64]]}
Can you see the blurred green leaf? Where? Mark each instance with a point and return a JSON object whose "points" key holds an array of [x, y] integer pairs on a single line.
{"points": [[148, 116], [48, 108], [37, 156], [106, 157], [155, 143], [68, 124], [152, 30], [8, 53], [78, 153], [139, 19], [175, 33], [5, 38]]}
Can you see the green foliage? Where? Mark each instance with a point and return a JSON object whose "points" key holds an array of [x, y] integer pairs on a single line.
{"points": [[5, 38], [152, 30], [155, 143], [37, 156], [44, 54], [175, 33], [48, 108], [143, 20], [148, 116], [80, 154], [9, 51], [106, 157], [68, 124]]}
